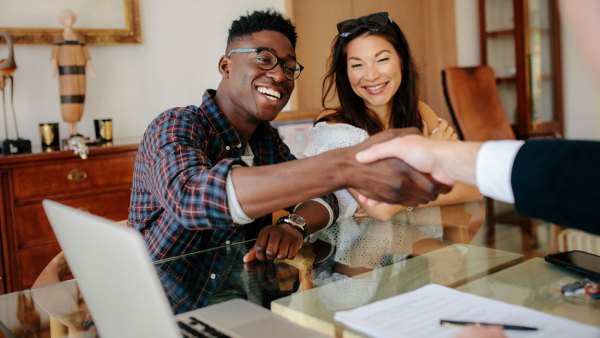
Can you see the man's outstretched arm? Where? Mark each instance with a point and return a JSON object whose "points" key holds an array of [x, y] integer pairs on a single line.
{"points": [[262, 189]]}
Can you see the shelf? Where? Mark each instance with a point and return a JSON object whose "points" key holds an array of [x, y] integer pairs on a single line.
{"points": [[520, 40], [499, 33], [505, 79]]}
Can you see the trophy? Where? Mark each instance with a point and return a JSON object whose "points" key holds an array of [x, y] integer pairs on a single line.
{"points": [[49, 136], [103, 128]]}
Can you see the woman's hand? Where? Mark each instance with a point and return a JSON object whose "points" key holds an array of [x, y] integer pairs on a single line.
{"points": [[443, 131], [360, 213]]}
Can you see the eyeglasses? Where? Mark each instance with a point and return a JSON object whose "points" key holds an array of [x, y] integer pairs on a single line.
{"points": [[373, 22], [266, 59]]}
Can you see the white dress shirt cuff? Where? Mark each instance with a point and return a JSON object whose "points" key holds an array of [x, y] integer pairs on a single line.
{"points": [[235, 209], [494, 167]]}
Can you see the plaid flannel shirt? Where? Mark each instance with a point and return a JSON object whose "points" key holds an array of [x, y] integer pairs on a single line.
{"points": [[179, 200]]}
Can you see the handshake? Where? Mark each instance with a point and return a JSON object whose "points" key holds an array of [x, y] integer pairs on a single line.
{"points": [[407, 168]]}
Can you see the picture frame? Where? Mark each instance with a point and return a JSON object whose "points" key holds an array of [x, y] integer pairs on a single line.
{"points": [[100, 22]]}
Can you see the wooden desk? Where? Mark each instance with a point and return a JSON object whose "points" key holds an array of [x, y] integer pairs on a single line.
{"points": [[101, 184]]}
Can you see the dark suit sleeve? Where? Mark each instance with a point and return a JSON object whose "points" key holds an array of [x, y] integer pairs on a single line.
{"points": [[559, 181]]}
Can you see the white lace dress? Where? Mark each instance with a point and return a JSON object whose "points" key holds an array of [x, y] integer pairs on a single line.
{"points": [[335, 136], [366, 241]]}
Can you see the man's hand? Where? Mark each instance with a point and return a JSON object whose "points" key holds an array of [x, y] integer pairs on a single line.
{"points": [[279, 241], [446, 161], [392, 180]]}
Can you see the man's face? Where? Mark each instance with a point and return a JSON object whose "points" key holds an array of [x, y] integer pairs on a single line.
{"points": [[258, 94]]}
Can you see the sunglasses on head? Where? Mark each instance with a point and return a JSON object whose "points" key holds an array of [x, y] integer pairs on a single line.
{"points": [[373, 22]]}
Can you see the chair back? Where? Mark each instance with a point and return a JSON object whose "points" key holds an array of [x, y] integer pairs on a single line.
{"points": [[473, 101]]}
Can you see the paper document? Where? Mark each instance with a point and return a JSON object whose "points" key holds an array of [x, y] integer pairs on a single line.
{"points": [[418, 313]]}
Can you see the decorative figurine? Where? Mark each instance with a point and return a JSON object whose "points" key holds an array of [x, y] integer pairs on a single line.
{"points": [[8, 66], [70, 58]]}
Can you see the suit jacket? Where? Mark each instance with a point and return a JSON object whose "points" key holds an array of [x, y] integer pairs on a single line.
{"points": [[559, 181]]}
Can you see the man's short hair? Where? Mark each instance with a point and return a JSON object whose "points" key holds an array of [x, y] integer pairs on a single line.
{"points": [[262, 20]]}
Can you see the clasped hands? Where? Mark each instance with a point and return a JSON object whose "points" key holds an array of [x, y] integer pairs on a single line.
{"points": [[388, 180], [391, 180]]}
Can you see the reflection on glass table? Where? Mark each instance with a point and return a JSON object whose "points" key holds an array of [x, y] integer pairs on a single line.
{"points": [[416, 248], [536, 284]]}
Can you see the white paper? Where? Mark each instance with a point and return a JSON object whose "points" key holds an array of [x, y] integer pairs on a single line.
{"points": [[418, 313]]}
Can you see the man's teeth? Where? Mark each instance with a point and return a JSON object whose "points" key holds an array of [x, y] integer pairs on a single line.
{"points": [[376, 87], [271, 94]]}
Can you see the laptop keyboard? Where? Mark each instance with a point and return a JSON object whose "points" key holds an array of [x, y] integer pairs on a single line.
{"points": [[197, 328]]}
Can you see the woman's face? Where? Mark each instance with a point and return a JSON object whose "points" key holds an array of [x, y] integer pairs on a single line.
{"points": [[374, 70]]}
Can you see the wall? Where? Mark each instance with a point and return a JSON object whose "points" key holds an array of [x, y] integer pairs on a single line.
{"points": [[183, 40], [581, 90]]}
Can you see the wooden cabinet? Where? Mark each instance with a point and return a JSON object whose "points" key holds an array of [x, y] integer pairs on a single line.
{"points": [[100, 184], [520, 40]]}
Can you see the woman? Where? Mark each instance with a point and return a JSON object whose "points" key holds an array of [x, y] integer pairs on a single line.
{"points": [[373, 73]]}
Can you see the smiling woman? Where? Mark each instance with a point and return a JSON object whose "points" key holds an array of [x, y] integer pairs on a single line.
{"points": [[373, 73], [101, 22], [429, 27]]}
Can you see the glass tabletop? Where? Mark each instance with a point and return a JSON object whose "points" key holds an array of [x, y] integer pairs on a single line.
{"points": [[354, 262]]}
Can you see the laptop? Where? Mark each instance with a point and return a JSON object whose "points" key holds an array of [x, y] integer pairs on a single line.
{"points": [[124, 295]]}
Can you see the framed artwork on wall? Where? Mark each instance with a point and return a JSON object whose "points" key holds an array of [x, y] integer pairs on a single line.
{"points": [[101, 22]]}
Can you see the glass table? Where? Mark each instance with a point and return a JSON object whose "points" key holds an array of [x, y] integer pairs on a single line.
{"points": [[350, 264]]}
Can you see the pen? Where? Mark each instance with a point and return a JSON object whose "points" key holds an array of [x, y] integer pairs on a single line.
{"points": [[461, 323]]}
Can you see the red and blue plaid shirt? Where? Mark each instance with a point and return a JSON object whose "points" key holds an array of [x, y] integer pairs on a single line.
{"points": [[179, 199]]}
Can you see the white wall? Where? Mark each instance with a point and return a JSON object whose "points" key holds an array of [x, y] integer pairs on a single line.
{"points": [[467, 33], [580, 91], [183, 40], [582, 109], [177, 61]]}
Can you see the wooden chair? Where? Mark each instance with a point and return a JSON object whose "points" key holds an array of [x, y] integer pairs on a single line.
{"points": [[474, 104]]}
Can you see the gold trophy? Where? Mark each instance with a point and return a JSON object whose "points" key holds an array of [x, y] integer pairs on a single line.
{"points": [[49, 136]]}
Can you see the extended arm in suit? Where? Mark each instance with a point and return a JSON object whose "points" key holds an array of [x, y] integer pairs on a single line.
{"points": [[554, 180], [559, 181]]}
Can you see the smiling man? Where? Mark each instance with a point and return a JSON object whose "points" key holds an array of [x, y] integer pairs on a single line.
{"points": [[209, 175]]}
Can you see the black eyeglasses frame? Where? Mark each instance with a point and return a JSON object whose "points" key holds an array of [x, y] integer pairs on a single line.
{"points": [[297, 70]]}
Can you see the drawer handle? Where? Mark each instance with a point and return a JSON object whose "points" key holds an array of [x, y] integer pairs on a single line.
{"points": [[76, 175]]}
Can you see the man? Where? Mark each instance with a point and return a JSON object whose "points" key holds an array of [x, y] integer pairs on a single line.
{"points": [[555, 180], [207, 176]]}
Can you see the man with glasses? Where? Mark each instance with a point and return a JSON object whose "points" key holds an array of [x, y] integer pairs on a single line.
{"points": [[210, 175]]}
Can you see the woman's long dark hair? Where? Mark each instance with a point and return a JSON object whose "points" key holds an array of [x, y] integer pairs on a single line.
{"points": [[352, 109]]}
